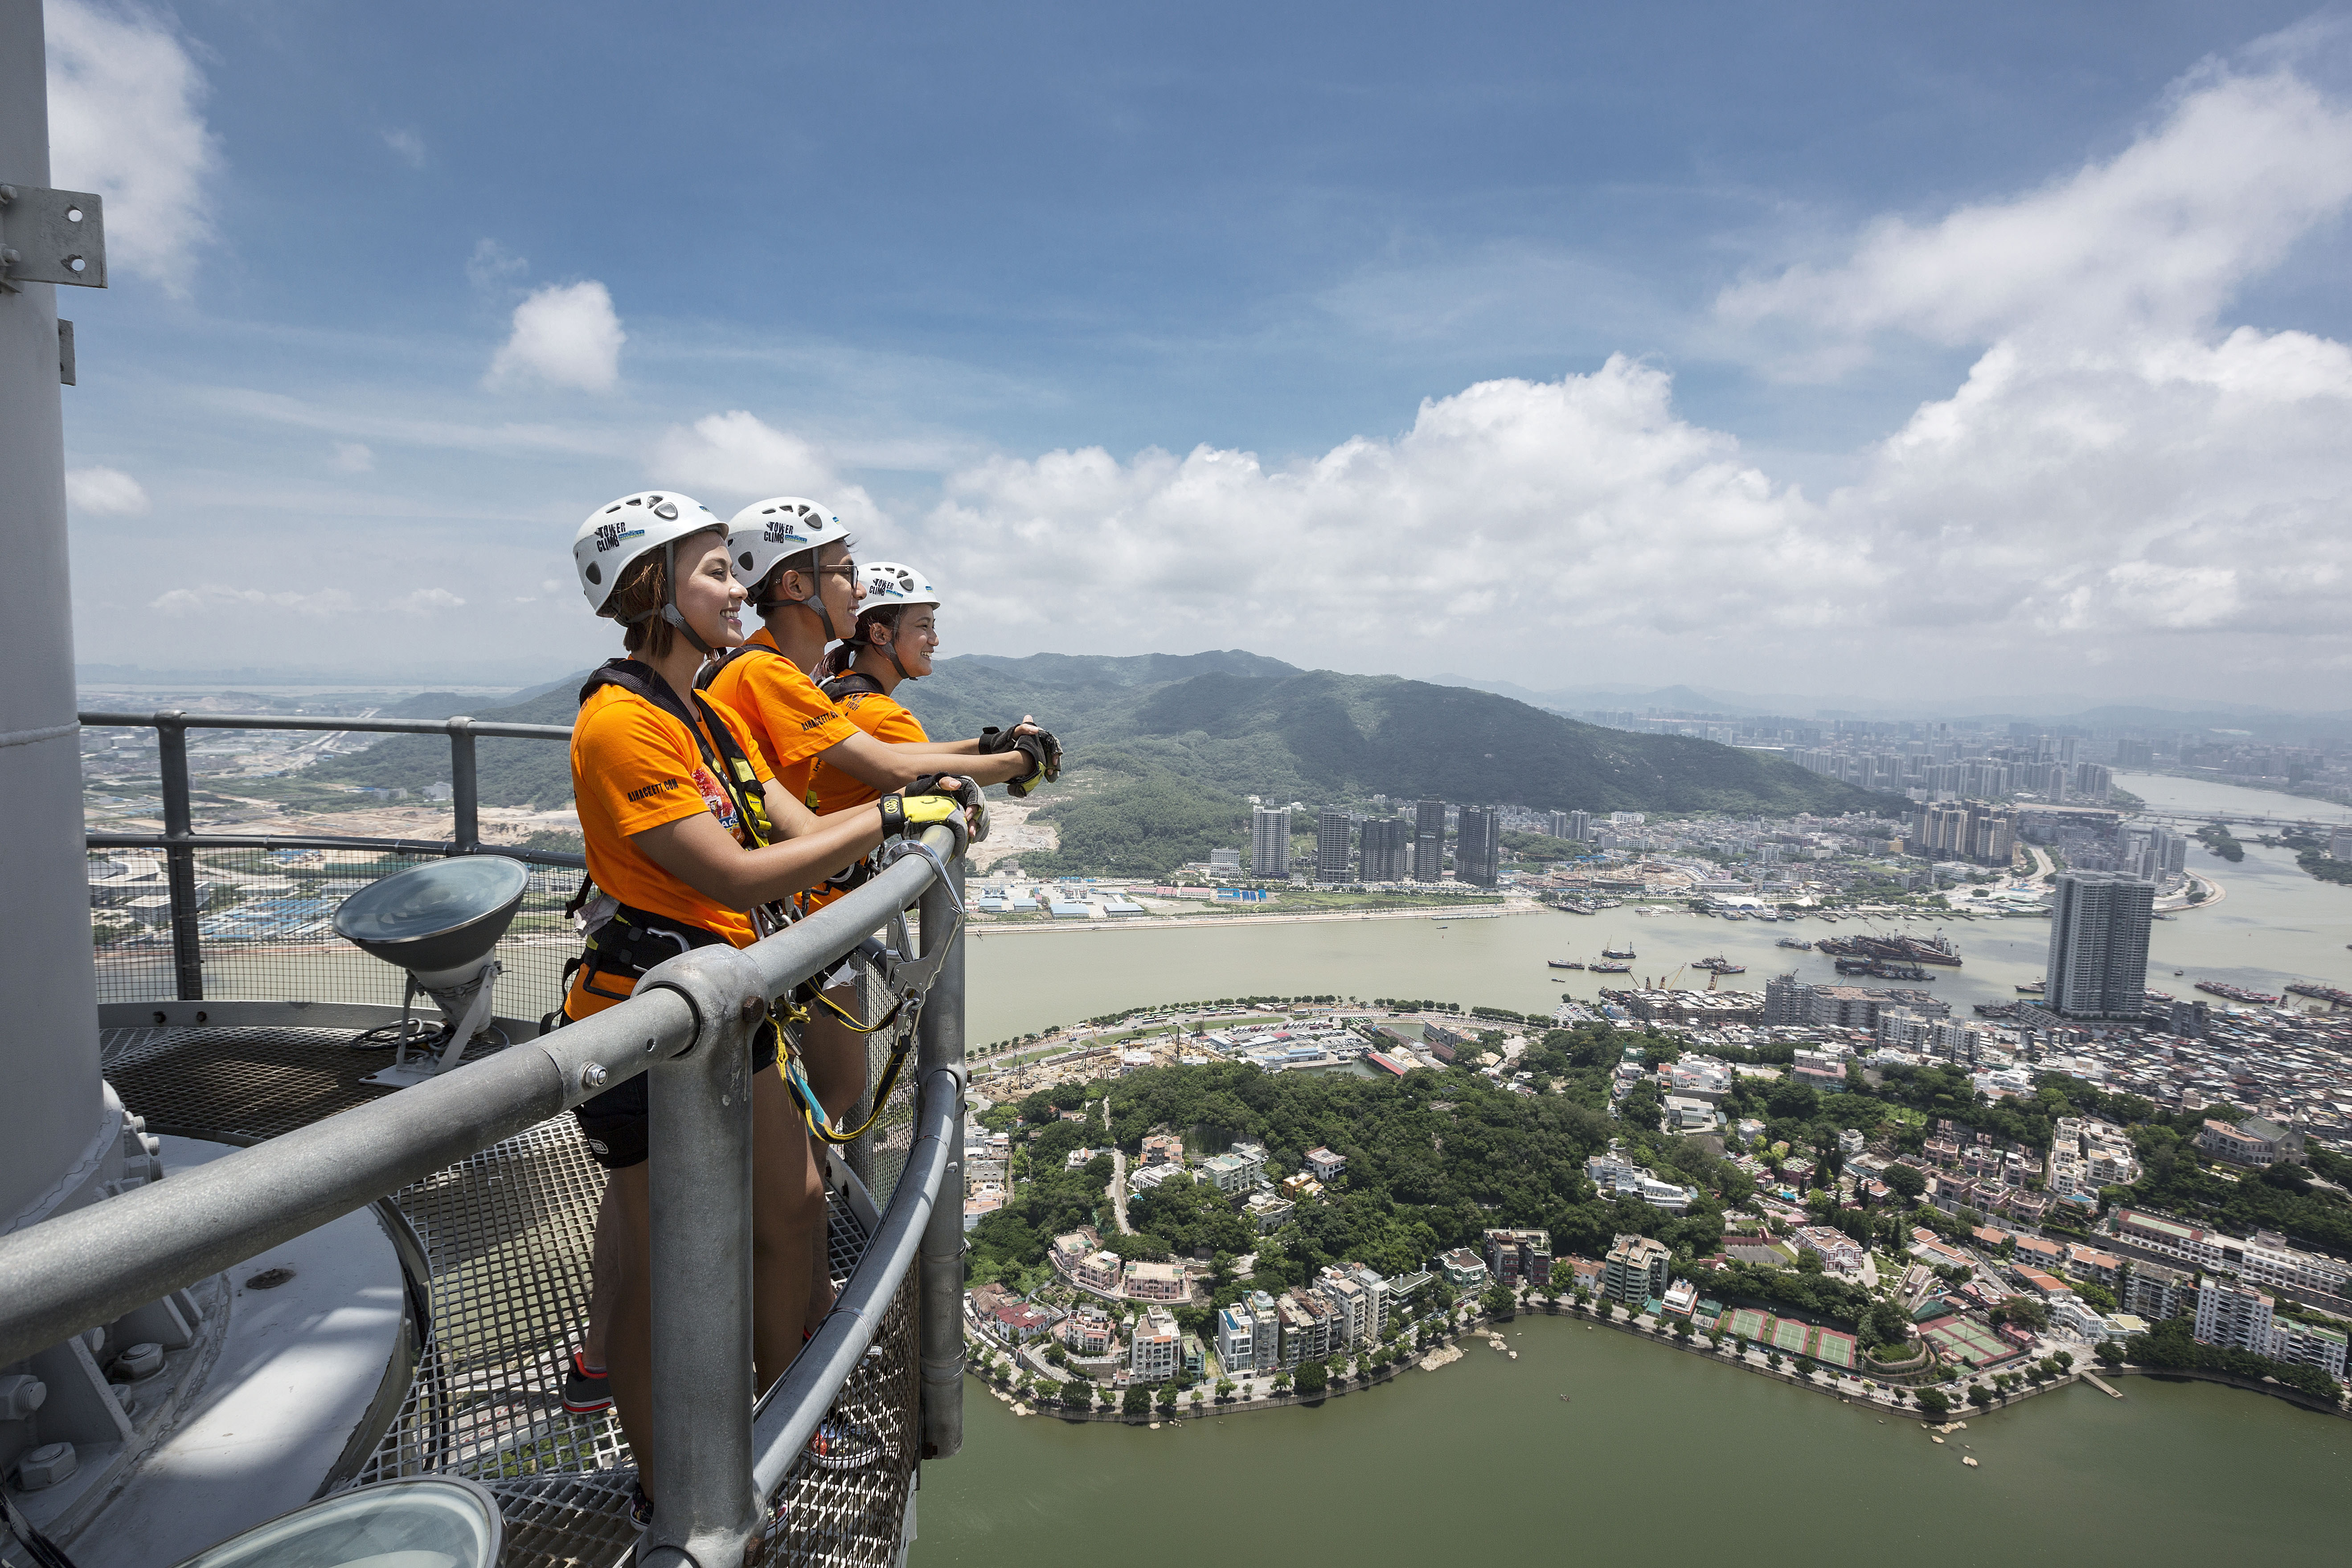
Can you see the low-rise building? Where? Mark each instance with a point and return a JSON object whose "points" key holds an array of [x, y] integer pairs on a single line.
{"points": [[2253, 1141], [1324, 1166], [1840, 1253], [1086, 1331], [1154, 1346], [1229, 1173], [1267, 1211], [1461, 1269], [2101, 1268], [1308, 1326], [1635, 1269], [1236, 1339], [1163, 1149], [1147, 1282], [1519, 1259], [1099, 1272]]}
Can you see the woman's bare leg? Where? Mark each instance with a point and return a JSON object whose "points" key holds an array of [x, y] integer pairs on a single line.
{"points": [[787, 1227], [624, 1221]]}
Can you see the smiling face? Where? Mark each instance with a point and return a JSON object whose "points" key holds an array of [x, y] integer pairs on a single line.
{"points": [[708, 594], [914, 640]]}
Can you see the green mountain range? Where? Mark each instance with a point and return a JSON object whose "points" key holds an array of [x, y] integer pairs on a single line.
{"points": [[1161, 748]]}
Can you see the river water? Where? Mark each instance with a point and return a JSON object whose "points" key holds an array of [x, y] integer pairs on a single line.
{"points": [[2276, 923], [1655, 1451], [1656, 1455]]}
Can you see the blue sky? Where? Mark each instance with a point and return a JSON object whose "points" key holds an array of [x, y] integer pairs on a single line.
{"points": [[1806, 347]]}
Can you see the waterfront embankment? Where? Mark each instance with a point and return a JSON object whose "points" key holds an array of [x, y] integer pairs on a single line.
{"points": [[1646, 1447]]}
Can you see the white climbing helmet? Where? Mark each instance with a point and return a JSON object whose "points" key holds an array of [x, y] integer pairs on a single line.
{"points": [[766, 531], [889, 584], [617, 534]]}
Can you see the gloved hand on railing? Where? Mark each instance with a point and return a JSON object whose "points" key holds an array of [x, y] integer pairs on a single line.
{"points": [[936, 797]]}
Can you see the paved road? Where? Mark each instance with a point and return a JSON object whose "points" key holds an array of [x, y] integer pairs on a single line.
{"points": [[1117, 1177]]}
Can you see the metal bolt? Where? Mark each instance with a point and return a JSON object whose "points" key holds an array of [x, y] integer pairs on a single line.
{"points": [[144, 1360], [20, 1396], [592, 1077], [46, 1466], [753, 1006]]}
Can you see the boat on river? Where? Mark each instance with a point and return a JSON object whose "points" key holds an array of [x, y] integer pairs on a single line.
{"points": [[2239, 994], [1795, 943], [1614, 951], [1564, 964], [1609, 966], [1720, 964]]}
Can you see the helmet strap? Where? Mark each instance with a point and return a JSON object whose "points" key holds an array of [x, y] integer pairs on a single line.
{"points": [[671, 612], [888, 650]]}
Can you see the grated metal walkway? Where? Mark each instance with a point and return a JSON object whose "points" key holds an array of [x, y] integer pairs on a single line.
{"points": [[507, 1236]]}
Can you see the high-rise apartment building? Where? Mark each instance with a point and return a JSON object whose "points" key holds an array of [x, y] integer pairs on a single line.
{"points": [[1332, 844], [1579, 825], [1270, 841], [1428, 840], [1382, 842], [1478, 848], [1965, 830], [2098, 966]]}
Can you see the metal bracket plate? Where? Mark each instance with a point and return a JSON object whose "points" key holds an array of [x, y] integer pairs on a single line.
{"points": [[51, 237]]}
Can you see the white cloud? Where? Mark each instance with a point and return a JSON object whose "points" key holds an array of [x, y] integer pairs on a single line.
{"points": [[1539, 514], [105, 492], [564, 335], [424, 601], [493, 266], [207, 598], [125, 121], [736, 456], [407, 146], [352, 457], [2156, 239]]}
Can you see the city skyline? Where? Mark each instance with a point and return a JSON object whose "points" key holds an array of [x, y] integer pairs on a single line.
{"points": [[1855, 356]]}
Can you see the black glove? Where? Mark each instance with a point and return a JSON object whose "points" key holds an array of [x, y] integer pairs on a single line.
{"points": [[1045, 754], [993, 740], [962, 791]]}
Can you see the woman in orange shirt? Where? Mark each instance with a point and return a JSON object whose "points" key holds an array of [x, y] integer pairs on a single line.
{"points": [[793, 558], [898, 634], [677, 807]]}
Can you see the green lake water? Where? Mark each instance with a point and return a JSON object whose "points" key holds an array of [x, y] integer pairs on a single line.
{"points": [[1656, 1455]]}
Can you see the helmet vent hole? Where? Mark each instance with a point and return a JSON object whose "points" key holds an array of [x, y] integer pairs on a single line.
{"points": [[594, 573], [666, 511]]}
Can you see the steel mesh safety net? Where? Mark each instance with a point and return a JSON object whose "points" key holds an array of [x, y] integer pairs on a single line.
{"points": [[507, 1235]]}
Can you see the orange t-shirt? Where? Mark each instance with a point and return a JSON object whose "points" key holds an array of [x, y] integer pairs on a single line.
{"points": [[880, 716], [635, 767], [790, 718]]}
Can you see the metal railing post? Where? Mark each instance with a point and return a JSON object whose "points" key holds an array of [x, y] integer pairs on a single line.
{"points": [[705, 1509], [179, 858], [463, 793], [939, 1043]]}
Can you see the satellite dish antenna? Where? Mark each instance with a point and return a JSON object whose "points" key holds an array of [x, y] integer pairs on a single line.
{"points": [[439, 922]]}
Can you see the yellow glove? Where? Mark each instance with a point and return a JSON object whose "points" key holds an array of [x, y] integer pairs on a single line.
{"points": [[908, 814]]}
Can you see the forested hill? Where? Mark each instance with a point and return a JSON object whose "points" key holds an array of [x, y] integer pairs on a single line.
{"points": [[1163, 742], [1252, 726]]}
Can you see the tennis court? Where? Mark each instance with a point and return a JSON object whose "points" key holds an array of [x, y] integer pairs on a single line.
{"points": [[1789, 1336], [1959, 1338], [1747, 1323], [1833, 1348]]}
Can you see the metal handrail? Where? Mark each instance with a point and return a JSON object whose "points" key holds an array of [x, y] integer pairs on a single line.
{"points": [[179, 840], [687, 1024]]}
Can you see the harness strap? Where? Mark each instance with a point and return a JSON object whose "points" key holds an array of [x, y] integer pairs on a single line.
{"points": [[852, 683]]}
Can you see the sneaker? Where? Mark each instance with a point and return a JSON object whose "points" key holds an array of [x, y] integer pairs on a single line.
{"points": [[585, 1392], [641, 1507]]}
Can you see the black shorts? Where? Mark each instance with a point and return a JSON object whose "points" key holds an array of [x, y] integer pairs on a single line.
{"points": [[614, 1123]]}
